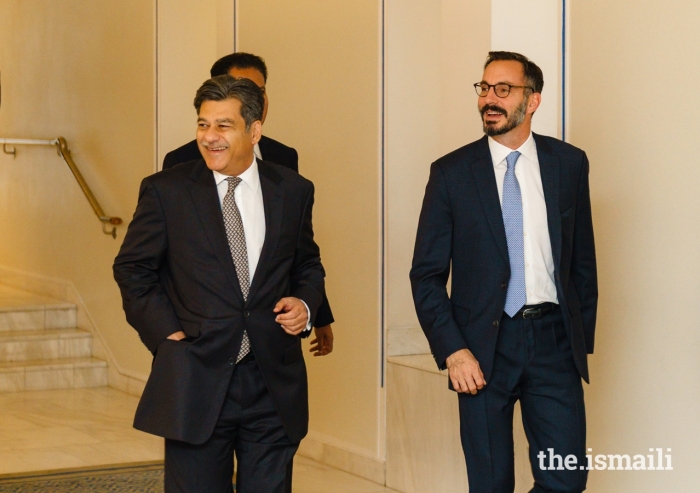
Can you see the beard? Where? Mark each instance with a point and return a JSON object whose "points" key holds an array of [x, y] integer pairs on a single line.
{"points": [[512, 120]]}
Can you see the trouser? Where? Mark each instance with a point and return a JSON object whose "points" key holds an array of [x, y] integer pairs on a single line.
{"points": [[534, 364], [248, 426]]}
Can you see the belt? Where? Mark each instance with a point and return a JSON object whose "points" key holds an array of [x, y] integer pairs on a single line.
{"points": [[531, 312]]}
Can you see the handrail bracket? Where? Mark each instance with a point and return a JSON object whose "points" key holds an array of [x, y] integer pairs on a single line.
{"points": [[13, 152]]}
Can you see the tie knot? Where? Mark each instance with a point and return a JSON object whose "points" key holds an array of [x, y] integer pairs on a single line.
{"points": [[233, 182], [512, 158]]}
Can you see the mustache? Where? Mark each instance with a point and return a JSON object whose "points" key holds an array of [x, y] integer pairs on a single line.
{"points": [[493, 108]]}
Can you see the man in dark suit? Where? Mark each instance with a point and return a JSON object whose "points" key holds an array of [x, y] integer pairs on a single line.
{"points": [[510, 216], [220, 276], [248, 66]]}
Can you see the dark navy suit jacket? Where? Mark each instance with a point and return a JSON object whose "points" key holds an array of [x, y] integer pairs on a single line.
{"points": [[175, 272], [461, 228]]}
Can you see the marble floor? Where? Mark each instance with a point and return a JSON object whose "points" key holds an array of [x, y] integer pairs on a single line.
{"points": [[55, 429]]}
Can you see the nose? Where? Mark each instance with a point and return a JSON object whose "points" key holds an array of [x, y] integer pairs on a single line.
{"points": [[210, 134], [490, 96]]}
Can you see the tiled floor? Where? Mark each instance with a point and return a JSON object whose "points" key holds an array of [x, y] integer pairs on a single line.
{"points": [[54, 429]]}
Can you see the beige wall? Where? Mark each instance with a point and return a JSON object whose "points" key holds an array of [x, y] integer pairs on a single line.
{"points": [[435, 51], [192, 35], [324, 88], [634, 110], [85, 71]]}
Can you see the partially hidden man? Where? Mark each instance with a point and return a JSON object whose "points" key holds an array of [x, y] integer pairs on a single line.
{"points": [[221, 277], [509, 216]]}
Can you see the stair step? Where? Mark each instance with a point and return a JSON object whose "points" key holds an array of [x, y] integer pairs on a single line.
{"points": [[33, 317], [26, 345], [40, 346], [69, 373], [21, 310]]}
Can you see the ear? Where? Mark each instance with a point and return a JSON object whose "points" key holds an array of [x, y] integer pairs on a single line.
{"points": [[255, 131], [534, 103]]}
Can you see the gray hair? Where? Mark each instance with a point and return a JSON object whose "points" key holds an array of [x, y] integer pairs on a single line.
{"points": [[223, 87]]}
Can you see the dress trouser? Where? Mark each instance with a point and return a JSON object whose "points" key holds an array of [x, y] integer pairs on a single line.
{"points": [[248, 426], [534, 364]]}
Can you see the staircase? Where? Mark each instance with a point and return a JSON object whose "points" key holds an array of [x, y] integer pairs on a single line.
{"points": [[40, 346]]}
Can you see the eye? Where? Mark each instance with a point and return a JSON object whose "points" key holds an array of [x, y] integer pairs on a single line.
{"points": [[502, 90]]}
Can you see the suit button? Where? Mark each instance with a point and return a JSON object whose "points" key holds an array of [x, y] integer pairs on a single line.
{"points": [[495, 323], [504, 285], [246, 314], [231, 361]]}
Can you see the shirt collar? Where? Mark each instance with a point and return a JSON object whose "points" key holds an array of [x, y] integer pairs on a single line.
{"points": [[250, 177], [499, 152]]}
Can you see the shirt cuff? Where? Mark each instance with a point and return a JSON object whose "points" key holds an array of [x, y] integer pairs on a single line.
{"points": [[308, 317]]}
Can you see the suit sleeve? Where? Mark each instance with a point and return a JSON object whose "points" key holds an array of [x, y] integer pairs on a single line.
{"points": [[583, 262], [307, 272], [136, 269], [325, 315], [431, 269]]}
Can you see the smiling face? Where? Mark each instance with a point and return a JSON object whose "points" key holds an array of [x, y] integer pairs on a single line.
{"points": [[501, 116], [257, 77], [225, 144]]}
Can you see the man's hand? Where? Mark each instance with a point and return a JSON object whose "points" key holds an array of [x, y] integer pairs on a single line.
{"points": [[293, 316], [464, 372], [323, 344], [176, 336]]}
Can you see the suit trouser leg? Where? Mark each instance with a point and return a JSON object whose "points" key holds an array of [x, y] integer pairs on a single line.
{"points": [[553, 410], [533, 363], [248, 426]]}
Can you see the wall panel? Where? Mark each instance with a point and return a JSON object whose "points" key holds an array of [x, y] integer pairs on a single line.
{"points": [[324, 88], [632, 110]]}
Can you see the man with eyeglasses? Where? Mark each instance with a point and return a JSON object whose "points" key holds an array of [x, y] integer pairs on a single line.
{"points": [[510, 216]]}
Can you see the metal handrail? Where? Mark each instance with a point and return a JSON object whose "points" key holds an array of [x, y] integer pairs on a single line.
{"points": [[64, 152]]}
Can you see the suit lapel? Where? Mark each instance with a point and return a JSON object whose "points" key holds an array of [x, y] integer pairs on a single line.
{"points": [[273, 201], [549, 171], [203, 191], [488, 194]]}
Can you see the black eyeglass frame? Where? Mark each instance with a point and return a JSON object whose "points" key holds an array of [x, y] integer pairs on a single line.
{"points": [[478, 87]]}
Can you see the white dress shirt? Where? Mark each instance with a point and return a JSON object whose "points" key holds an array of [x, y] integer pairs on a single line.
{"points": [[249, 200], [539, 263]]}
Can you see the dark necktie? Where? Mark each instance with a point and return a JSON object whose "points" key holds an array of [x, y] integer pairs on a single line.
{"points": [[237, 245]]}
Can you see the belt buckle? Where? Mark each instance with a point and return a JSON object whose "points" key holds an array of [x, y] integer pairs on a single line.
{"points": [[532, 313]]}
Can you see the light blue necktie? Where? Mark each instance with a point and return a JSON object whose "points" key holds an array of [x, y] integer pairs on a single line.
{"points": [[513, 221]]}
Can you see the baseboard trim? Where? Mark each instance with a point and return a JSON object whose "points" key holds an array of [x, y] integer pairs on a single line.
{"points": [[315, 447], [64, 290]]}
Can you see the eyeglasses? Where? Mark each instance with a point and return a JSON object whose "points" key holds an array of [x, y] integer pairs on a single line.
{"points": [[501, 89]]}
